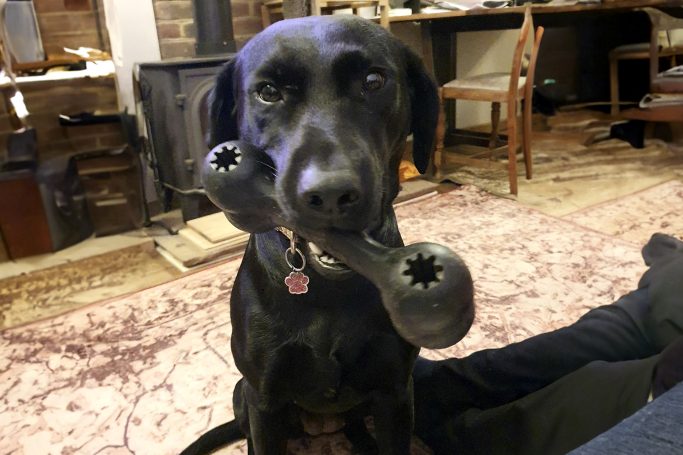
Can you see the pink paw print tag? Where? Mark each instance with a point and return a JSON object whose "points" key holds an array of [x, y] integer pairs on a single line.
{"points": [[297, 283]]}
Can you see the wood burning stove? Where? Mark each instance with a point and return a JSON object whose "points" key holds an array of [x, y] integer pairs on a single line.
{"points": [[173, 96]]}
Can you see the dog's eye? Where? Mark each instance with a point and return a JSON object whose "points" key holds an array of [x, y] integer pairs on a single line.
{"points": [[373, 81], [269, 94]]}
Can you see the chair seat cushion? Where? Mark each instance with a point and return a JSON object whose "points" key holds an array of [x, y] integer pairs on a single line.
{"points": [[483, 87], [631, 48]]}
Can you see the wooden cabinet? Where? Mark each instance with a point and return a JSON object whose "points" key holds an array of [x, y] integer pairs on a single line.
{"points": [[112, 190], [23, 222]]}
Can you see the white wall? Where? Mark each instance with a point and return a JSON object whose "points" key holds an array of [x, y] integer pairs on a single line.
{"points": [[477, 53], [133, 36]]}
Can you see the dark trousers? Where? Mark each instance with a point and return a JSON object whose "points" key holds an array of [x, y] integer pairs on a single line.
{"points": [[553, 392]]}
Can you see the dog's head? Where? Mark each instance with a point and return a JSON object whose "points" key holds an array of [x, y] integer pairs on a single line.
{"points": [[329, 101]]}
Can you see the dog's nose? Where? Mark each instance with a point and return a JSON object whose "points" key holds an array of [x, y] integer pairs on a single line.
{"points": [[330, 195], [331, 198]]}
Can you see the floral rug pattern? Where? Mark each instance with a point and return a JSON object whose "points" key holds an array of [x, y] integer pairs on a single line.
{"points": [[149, 372]]}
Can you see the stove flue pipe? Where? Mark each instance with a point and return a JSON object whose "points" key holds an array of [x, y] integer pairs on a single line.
{"points": [[213, 21]]}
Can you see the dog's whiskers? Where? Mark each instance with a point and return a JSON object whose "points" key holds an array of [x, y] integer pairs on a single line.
{"points": [[268, 166]]}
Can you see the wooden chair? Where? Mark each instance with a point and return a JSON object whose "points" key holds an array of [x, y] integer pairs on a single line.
{"points": [[659, 83], [510, 88], [664, 24], [662, 44], [269, 10], [320, 7]]}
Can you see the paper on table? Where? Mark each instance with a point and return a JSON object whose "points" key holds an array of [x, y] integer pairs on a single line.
{"points": [[661, 99], [676, 71], [464, 5]]}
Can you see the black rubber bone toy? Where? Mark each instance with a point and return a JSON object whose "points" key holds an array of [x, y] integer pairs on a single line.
{"points": [[426, 289]]}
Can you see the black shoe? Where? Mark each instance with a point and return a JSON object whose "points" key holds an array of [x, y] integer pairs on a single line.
{"points": [[632, 132], [661, 247]]}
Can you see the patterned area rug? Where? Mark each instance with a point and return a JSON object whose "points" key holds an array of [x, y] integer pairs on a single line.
{"points": [[149, 372], [576, 165], [57, 290], [636, 216]]}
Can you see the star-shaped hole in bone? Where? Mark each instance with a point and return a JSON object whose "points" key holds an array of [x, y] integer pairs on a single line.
{"points": [[226, 159], [423, 271]]}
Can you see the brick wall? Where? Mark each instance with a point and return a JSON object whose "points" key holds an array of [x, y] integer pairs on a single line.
{"points": [[176, 31], [61, 27], [73, 28], [46, 100], [175, 28]]}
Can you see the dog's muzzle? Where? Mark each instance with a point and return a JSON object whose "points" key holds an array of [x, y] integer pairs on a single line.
{"points": [[426, 288], [331, 199]]}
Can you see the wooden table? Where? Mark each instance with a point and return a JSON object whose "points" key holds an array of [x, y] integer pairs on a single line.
{"points": [[439, 29]]}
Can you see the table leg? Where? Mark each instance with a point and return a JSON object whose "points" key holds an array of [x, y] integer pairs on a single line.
{"points": [[443, 63]]}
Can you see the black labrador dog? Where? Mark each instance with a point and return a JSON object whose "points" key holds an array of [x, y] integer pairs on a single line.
{"points": [[330, 101]]}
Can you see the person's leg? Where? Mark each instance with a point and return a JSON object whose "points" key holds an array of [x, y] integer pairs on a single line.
{"points": [[664, 281], [637, 326], [494, 377], [669, 369], [553, 420]]}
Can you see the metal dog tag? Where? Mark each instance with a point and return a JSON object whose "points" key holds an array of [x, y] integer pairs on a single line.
{"points": [[296, 281]]}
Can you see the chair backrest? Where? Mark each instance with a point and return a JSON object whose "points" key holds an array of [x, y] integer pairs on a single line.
{"points": [[320, 7], [519, 51], [381, 6], [661, 22], [531, 71]]}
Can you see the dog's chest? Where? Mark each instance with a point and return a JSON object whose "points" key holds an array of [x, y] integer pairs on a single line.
{"points": [[327, 370], [323, 384], [325, 351], [325, 362]]}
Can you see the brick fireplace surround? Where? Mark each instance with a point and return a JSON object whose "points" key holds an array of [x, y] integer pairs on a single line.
{"points": [[176, 31], [61, 28]]}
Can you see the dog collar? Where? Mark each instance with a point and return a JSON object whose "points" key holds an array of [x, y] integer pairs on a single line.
{"points": [[286, 232]]}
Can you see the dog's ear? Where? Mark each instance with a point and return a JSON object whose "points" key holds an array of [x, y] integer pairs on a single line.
{"points": [[424, 102], [222, 115]]}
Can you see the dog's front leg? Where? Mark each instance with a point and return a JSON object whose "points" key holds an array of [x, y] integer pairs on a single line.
{"points": [[393, 415], [267, 428]]}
